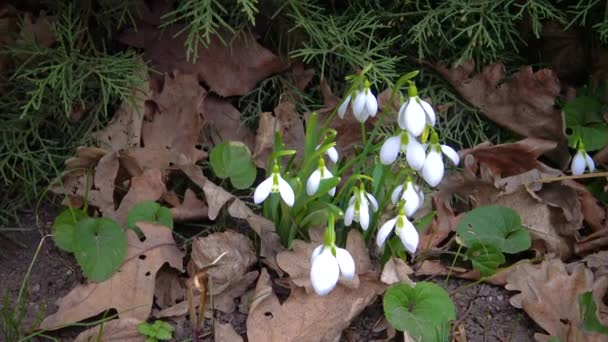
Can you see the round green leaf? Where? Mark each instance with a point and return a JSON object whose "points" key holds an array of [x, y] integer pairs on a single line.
{"points": [[583, 110], [99, 246], [424, 311], [594, 137], [149, 211], [496, 226], [232, 160], [64, 226], [485, 259]]}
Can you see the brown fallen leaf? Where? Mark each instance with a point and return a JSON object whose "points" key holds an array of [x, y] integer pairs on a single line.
{"points": [[191, 208], [147, 187], [102, 196], [225, 333], [524, 104], [130, 291], [117, 330], [396, 271], [306, 317], [223, 122], [436, 268], [169, 288], [228, 69], [550, 296]]}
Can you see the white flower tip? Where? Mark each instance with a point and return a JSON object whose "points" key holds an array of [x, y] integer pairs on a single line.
{"points": [[390, 150], [578, 164], [432, 171], [346, 263], [324, 273], [371, 104], [262, 191], [332, 153], [415, 118], [409, 237], [415, 154], [312, 185], [451, 154], [286, 192], [385, 231], [590, 162]]}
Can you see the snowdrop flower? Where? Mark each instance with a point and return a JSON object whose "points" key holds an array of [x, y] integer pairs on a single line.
{"points": [[413, 196], [312, 185], [415, 113], [433, 168], [274, 184], [328, 262], [343, 107], [581, 161], [403, 142], [331, 152], [405, 230], [359, 208]]}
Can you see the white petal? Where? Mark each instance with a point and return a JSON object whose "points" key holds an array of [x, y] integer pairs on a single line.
{"points": [[332, 153], [396, 195], [351, 200], [312, 185], [372, 201], [364, 215], [324, 272], [327, 174], [362, 116], [412, 201], [371, 104], [385, 231], [316, 252], [358, 104], [590, 162], [578, 164], [401, 116], [415, 119], [343, 107], [450, 153], [409, 236], [332, 192], [432, 171], [346, 263], [262, 191], [420, 195], [414, 154], [430, 113], [286, 192], [390, 150], [348, 215]]}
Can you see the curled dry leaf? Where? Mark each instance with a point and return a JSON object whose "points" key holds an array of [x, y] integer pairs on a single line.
{"points": [[396, 271], [550, 296], [191, 208], [169, 288], [525, 104], [117, 330], [228, 69], [306, 317], [130, 291]]}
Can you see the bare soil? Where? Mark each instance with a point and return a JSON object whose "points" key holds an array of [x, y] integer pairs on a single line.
{"points": [[484, 309]]}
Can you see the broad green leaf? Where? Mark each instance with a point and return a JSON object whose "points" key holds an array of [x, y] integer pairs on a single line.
{"points": [[594, 137], [394, 247], [423, 223], [589, 319], [99, 246], [583, 110], [64, 226], [494, 225], [149, 211], [485, 259], [145, 329], [164, 325], [232, 160], [424, 311]]}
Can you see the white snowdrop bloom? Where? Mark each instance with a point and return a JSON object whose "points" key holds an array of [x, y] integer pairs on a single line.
{"points": [[328, 262], [365, 104], [359, 208], [415, 113], [582, 161], [331, 152], [404, 229], [312, 185], [343, 107], [412, 196], [433, 168], [406, 143], [274, 184]]}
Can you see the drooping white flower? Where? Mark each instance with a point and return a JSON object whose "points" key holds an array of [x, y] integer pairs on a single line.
{"points": [[581, 161], [415, 113], [343, 107], [404, 229], [312, 185], [433, 168], [328, 262], [364, 104], [406, 143], [359, 208], [274, 184], [331, 152], [412, 196]]}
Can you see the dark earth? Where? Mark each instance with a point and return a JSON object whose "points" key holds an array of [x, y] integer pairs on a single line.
{"points": [[484, 309]]}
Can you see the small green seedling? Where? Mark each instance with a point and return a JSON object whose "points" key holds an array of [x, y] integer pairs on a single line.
{"points": [[158, 331]]}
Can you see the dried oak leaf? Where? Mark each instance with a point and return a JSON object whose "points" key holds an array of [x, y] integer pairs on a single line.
{"points": [[228, 69], [550, 296], [223, 122], [130, 291], [436, 268], [306, 317], [225, 333], [524, 104], [117, 330], [169, 288], [191, 208]]}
